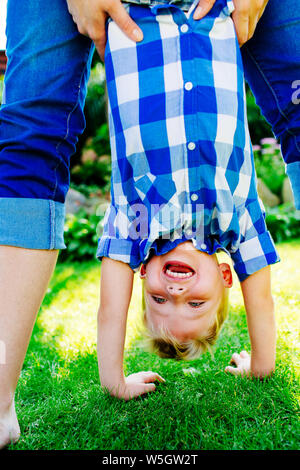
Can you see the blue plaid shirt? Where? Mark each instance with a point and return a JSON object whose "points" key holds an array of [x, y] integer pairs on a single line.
{"points": [[182, 161]]}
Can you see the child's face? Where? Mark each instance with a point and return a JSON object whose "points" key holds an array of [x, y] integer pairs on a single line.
{"points": [[186, 306]]}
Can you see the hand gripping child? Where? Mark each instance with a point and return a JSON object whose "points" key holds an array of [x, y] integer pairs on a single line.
{"points": [[183, 188]]}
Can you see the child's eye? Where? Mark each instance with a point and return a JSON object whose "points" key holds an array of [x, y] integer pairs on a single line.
{"points": [[159, 300], [196, 304]]}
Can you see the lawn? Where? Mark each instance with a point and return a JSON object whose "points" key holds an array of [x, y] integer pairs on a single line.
{"points": [[61, 406]]}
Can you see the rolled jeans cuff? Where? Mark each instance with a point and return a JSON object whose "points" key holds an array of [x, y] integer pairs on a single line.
{"points": [[293, 172], [32, 223]]}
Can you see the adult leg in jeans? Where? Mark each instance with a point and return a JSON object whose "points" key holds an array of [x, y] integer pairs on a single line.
{"points": [[272, 68], [40, 120]]}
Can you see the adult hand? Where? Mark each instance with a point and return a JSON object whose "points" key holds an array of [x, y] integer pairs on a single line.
{"points": [[246, 15], [242, 362], [90, 16], [135, 385]]}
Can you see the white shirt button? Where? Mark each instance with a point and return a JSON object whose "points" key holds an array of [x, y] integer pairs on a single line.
{"points": [[188, 232], [203, 246], [184, 28], [191, 145], [194, 197], [188, 86]]}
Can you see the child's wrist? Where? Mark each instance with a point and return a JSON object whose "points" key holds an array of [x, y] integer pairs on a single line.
{"points": [[112, 381], [260, 368], [114, 388], [261, 373]]}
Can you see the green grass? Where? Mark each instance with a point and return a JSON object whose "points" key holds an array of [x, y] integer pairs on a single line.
{"points": [[61, 406]]}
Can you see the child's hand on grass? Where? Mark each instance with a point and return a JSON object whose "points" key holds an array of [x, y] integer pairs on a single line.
{"points": [[136, 385], [242, 362]]}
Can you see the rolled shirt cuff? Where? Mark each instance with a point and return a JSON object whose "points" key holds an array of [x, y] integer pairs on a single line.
{"points": [[254, 254], [119, 249]]}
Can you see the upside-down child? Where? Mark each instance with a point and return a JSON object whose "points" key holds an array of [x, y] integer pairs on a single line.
{"points": [[183, 188]]}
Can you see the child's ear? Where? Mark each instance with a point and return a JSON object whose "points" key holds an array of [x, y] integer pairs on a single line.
{"points": [[143, 271], [226, 274]]}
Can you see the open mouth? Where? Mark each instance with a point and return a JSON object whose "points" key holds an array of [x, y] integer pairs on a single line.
{"points": [[178, 270]]}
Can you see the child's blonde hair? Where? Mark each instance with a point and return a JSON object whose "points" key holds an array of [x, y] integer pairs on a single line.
{"points": [[165, 345]]}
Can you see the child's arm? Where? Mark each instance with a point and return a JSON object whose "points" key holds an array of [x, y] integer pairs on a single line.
{"points": [[116, 290], [261, 325]]}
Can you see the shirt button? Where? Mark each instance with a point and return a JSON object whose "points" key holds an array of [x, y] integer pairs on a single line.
{"points": [[194, 197], [203, 246], [184, 28], [188, 86], [188, 232], [191, 145]]}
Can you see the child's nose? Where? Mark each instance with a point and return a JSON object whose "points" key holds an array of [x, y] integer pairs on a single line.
{"points": [[176, 290]]}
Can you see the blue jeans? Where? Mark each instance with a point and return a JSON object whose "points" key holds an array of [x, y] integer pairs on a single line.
{"points": [[42, 112]]}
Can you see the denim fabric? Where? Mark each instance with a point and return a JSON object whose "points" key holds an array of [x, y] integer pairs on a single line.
{"points": [[40, 120], [32, 223], [42, 113], [272, 68], [183, 4]]}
